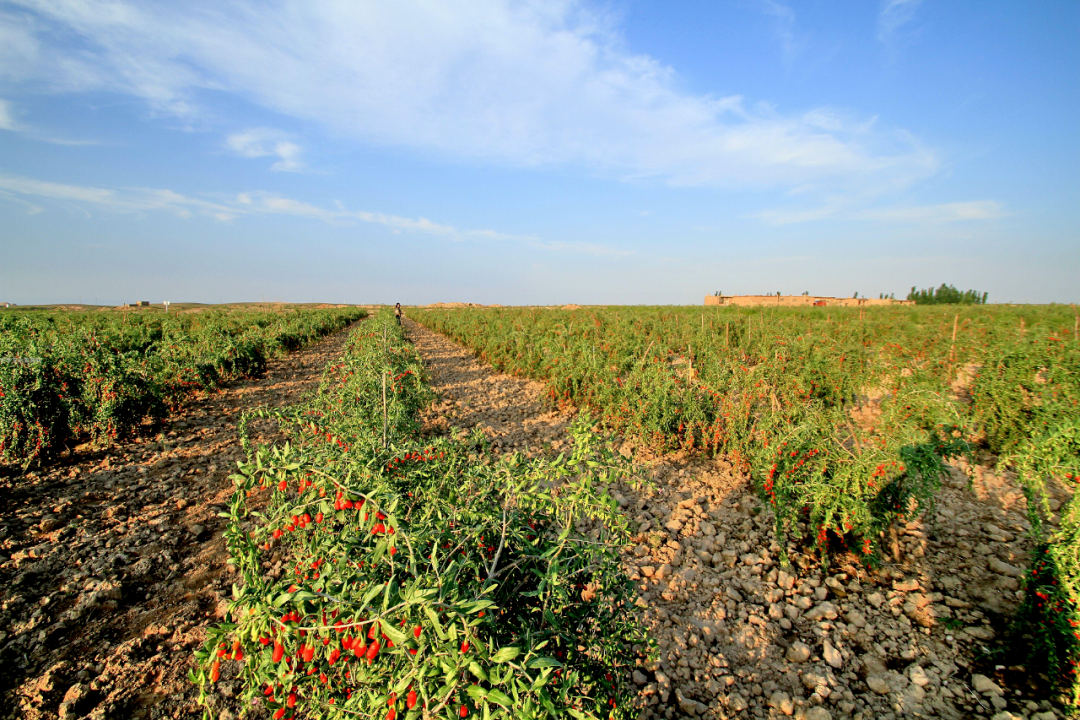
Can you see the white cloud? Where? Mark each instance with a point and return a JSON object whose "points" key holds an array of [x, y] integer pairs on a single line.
{"points": [[130, 200], [893, 16], [512, 83], [7, 116], [264, 142]]}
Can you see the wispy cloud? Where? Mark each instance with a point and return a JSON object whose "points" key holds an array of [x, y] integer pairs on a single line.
{"points": [[264, 142], [844, 209], [894, 15], [136, 200], [510, 83], [784, 18], [7, 116]]}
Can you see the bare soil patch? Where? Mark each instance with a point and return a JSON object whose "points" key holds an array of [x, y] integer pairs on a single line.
{"points": [[742, 635], [112, 563], [509, 411]]}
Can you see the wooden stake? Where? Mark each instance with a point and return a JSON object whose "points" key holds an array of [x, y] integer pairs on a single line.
{"points": [[1076, 325], [952, 348], [645, 355], [1021, 327], [384, 409], [727, 334]]}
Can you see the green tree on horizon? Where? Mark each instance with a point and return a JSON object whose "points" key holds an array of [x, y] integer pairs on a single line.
{"points": [[947, 295]]}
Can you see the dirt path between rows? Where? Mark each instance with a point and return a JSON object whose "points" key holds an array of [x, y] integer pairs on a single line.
{"points": [[741, 635], [112, 564], [509, 411]]}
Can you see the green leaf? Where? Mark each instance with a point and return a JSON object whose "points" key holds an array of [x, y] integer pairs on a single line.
{"points": [[304, 596], [395, 635], [371, 593], [543, 662], [506, 654], [475, 669], [497, 696], [434, 618], [580, 715], [403, 683], [476, 693]]}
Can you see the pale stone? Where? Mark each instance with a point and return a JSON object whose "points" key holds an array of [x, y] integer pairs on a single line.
{"points": [[918, 675], [782, 702], [825, 610], [985, 685], [799, 652], [832, 655], [812, 681], [878, 684], [1004, 568]]}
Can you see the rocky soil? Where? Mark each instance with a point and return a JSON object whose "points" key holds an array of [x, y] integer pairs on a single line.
{"points": [[742, 636], [112, 563]]}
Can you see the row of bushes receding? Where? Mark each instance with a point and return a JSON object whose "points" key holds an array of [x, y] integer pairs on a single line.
{"points": [[421, 578], [65, 377], [843, 419]]}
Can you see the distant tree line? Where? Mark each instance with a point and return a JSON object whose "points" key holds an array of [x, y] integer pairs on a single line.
{"points": [[947, 295]]}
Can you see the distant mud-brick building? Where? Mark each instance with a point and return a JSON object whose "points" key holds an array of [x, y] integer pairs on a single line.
{"points": [[799, 301]]}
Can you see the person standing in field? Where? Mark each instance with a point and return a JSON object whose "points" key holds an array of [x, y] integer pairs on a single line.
{"points": [[397, 312]]}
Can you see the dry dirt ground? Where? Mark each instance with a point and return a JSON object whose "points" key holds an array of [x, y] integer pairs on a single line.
{"points": [[112, 563], [743, 637]]}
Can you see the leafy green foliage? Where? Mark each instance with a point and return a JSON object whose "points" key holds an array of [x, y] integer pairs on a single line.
{"points": [[947, 295], [1027, 388], [423, 578], [772, 390], [785, 393], [66, 376], [1050, 613]]}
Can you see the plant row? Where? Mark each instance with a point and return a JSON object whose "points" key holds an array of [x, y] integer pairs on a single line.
{"points": [[67, 376], [843, 418], [419, 577], [773, 390]]}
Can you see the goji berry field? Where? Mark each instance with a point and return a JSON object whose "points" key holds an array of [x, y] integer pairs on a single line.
{"points": [[844, 418]]}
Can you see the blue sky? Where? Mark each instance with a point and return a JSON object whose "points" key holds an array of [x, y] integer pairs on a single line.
{"points": [[536, 152]]}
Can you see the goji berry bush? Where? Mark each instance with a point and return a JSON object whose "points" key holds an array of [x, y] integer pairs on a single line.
{"points": [[421, 578], [770, 389], [1048, 620], [72, 376], [784, 394]]}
